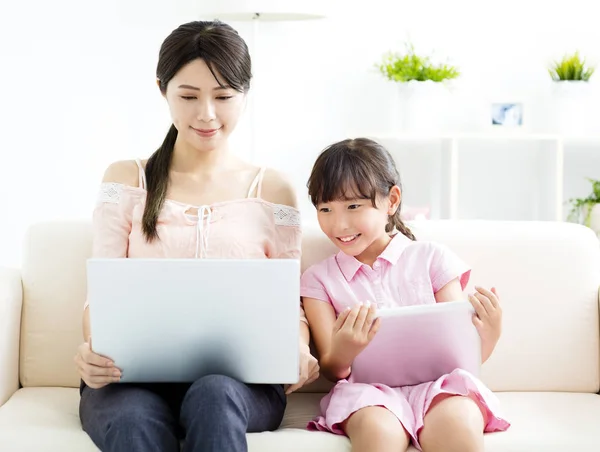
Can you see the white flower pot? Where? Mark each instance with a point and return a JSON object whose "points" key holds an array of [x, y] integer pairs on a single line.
{"points": [[423, 108], [571, 107], [594, 218]]}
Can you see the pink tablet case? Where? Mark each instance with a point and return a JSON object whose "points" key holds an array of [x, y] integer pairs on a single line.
{"points": [[417, 344]]}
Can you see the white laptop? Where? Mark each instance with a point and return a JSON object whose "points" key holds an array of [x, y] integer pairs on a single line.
{"points": [[175, 320], [417, 344]]}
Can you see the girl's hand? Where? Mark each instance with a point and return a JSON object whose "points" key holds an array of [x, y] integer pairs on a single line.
{"points": [[95, 370], [487, 318], [352, 332]]}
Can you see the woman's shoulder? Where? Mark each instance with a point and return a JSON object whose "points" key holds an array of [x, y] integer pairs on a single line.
{"points": [[123, 172], [120, 184], [277, 188]]}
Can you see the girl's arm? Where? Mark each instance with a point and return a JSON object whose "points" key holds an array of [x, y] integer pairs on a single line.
{"points": [[488, 326], [321, 318], [339, 341], [450, 292]]}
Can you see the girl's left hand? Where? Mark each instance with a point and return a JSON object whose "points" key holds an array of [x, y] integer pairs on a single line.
{"points": [[488, 316]]}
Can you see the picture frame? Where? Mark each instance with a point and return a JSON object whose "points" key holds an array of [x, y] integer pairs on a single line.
{"points": [[507, 115]]}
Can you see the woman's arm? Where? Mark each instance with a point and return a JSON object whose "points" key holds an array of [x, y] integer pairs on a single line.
{"points": [[111, 226], [111, 232], [287, 244], [279, 190], [86, 324]]}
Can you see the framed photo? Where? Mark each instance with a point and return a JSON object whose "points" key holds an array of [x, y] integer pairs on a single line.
{"points": [[509, 114]]}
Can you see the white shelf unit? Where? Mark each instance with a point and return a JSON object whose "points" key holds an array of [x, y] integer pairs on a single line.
{"points": [[495, 176]]}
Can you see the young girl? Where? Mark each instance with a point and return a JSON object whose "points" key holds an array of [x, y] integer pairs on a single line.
{"points": [[191, 199], [356, 189]]}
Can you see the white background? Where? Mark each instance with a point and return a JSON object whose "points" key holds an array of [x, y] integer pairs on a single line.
{"points": [[78, 86]]}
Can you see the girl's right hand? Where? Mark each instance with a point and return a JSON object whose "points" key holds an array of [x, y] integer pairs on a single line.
{"points": [[353, 330], [95, 370]]}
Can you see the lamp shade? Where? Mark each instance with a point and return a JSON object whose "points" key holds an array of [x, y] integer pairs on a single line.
{"points": [[265, 10]]}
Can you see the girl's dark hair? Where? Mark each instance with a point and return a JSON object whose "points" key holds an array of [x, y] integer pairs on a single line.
{"points": [[226, 54], [356, 169]]}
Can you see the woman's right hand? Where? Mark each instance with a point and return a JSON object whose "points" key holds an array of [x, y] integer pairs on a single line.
{"points": [[352, 332], [95, 370]]}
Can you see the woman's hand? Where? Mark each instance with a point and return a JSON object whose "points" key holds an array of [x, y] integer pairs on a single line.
{"points": [[352, 332], [309, 369], [95, 370], [487, 318]]}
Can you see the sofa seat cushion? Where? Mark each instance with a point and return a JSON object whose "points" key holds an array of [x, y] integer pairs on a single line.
{"points": [[47, 419], [43, 419], [540, 421]]}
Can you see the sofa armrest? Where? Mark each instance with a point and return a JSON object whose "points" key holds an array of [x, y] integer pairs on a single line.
{"points": [[11, 301]]}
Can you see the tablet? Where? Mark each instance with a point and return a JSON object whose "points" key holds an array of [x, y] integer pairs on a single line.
{"points": [[418, 344]]}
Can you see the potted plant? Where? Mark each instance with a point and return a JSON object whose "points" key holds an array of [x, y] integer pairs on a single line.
{"points": [[570, 78], [571, 68], [424, 94], [587, 210]]}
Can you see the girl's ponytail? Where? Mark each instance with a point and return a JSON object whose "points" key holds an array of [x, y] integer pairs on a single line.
{"points": [[396, 222]]}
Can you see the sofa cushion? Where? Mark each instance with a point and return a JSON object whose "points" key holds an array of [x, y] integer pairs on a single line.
{"points": [[36, 419], [54, 290], [547, 275], [47, 419]]}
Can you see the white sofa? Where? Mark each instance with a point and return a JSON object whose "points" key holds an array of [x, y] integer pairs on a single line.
{"points": [[545, 370]]}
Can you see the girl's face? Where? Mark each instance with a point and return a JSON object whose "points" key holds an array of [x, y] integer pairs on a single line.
{"points": [[355, 226], [203, 112]]}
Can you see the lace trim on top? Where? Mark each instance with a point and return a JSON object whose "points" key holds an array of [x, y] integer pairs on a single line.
{"points": [[110, 192], [286, 216]]}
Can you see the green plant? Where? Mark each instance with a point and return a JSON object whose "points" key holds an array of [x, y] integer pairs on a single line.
{"points": [[582, 207], [571, 67], [410, 66]]}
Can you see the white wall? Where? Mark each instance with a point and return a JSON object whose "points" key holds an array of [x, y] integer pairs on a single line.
{"points": [[78, 84]]}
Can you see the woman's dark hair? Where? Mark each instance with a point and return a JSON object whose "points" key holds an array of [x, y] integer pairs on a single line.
{"points": [[356, 169], [226, 54]]}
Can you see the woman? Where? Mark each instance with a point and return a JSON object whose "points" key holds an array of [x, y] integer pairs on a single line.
{"points": [[191, 198]]}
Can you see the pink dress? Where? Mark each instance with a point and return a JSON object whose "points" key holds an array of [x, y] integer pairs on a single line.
{"points": [[247, 228], [406, 273]]}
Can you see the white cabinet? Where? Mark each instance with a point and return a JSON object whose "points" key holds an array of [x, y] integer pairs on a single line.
{"points": [[494, 176]]}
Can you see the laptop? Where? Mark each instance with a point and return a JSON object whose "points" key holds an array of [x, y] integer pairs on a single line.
{"points": [[176, 320], [418, 344]]}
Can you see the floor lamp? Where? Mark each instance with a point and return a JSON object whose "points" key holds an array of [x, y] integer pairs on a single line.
{"points": [[258, 11]]}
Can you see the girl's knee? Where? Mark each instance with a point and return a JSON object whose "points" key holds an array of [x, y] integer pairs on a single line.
{"points": [[454, 424], [375, 422], [457, 410]]}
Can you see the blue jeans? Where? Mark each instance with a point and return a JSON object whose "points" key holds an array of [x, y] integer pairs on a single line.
{"points": [[212, 414]]}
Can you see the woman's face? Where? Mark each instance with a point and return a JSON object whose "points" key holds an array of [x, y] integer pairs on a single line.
{"points": [[203, 112]]}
